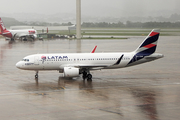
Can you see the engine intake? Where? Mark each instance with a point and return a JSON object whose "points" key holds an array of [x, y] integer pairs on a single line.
{"points": [[71, 72], [34, 36]]}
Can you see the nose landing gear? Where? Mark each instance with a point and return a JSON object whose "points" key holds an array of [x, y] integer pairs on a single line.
{"points": [[36, 75]]}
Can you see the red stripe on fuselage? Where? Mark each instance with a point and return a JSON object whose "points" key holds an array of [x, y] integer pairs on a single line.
{"points": [[153, 33], [150, 46]]}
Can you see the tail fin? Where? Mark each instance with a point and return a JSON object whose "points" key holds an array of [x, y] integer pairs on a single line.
{"points": [[148, 46], [2, 27]]}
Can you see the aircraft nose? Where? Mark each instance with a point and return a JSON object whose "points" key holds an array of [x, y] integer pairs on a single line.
{"points": [[18, 65]]}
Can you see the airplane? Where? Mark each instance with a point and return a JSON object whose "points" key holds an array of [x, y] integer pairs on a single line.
{"points": [[15, 34], [74, 64]]}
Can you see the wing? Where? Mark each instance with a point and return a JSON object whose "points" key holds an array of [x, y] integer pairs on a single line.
{"points": [[85, 66], [92, 66], [43, 32]]}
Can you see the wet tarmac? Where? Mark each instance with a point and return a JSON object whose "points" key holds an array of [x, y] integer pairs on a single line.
{"points": [[145, 92]]}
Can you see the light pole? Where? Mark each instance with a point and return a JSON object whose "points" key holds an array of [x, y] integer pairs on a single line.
{"points": [[78, 19]]}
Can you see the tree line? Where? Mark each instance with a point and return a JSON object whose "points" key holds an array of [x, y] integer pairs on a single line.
{"points": [[130, 24], [12, 22]]}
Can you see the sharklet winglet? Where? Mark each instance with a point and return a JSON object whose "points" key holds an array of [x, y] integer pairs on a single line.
{"points": [[119, 60]]}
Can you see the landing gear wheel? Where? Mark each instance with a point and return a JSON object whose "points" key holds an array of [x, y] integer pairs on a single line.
{"points": [[86, 75], [89, 77], [36, 76], [25, 39]]}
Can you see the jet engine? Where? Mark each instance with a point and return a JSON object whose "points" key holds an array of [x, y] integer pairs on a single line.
{"points": [[71, 72], [34, 36]]}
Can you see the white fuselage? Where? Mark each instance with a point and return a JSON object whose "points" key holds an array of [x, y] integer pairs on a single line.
{"points": [[93, 61], [20, 33]]}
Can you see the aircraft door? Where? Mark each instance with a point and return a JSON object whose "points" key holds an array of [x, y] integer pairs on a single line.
{"points": [[36, 60]]}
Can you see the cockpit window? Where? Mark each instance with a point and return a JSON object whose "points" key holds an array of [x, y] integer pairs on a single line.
{"points": [[25, 60]]}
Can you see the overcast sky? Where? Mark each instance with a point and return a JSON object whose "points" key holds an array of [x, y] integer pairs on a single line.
{"points": [[93, 7]]}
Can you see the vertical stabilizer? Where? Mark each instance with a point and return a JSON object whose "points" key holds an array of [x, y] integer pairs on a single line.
{"points": [[2, 27], [148, 46]]}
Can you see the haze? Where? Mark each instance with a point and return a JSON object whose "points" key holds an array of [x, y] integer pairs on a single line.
{"points": [[92, 7], [92, 10]]}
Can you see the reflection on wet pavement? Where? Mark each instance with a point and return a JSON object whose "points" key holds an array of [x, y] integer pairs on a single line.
{"points": [[146, 92]]}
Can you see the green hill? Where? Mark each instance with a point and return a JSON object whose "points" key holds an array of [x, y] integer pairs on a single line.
{"points": [[11, 22]]}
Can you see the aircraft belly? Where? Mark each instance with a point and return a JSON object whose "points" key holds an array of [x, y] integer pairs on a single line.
{"points": [[50, 66], [140, 62], [116, 66]]}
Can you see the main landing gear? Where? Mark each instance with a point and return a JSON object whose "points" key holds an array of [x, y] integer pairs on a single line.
{"points": [[12, 39], [87, 76]]}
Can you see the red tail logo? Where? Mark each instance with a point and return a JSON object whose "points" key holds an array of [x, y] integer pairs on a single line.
{"points": [[2, 27]]}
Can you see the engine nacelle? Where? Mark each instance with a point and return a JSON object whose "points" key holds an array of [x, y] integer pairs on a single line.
{"points": [[71, 72], [34, 36]]}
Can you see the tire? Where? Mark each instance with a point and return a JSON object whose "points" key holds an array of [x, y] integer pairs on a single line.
{"points": [[89, 77], [36, 76]]}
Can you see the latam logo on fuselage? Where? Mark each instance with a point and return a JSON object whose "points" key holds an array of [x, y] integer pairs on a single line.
{"points": [[54, 57]]}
